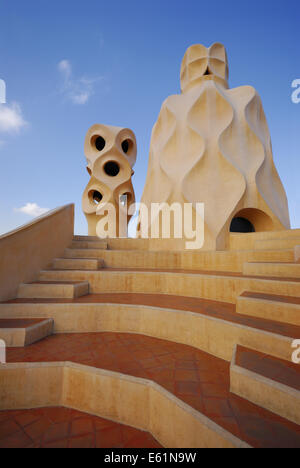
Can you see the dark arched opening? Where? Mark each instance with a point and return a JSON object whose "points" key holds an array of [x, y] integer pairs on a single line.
{"points": [[241, 225]]}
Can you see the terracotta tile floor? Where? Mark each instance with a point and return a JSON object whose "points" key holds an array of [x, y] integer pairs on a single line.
{"points": [[195, 377], [66, 428], [221, 310], [284, 372]]}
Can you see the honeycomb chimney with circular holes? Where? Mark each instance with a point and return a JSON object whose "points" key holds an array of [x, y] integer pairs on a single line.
{"points": [[111, 155]]}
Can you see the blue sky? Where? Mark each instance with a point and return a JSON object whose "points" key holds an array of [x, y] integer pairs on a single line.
{"points": [[70, 64]]}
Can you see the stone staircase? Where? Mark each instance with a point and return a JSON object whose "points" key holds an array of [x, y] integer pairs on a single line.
{"points": [[222, 326]]}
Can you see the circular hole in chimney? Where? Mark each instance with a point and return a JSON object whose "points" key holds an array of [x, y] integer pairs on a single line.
{"points": [[111, 168], [96, 196], [100, 143], [127, 145]]}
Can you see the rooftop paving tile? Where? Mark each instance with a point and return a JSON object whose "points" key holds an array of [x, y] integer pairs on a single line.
{"points": [[67, 428]]}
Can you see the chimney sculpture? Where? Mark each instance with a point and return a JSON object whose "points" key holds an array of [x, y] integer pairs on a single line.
{"points": [[111, 154], [211, 144]]}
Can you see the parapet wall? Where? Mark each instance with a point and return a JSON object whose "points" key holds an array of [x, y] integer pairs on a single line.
{"points": [[28, 249]]}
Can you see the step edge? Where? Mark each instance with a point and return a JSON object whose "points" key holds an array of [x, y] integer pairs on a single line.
{"points": [[269, 301], [285, 390], [82, 259], [267, 380], [153, 272], [273, 263], [28, 305]]}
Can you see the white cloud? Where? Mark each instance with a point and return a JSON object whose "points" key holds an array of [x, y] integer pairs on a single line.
{"points": [[78, 90], [11, 118], [65, 68], [32, 209], [80, 98]]}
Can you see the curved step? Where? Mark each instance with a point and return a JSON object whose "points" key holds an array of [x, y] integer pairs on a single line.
{"points": [[267, 381], [209, 326], [77, 264], [273, 244], [187, 388], [210, 261], [218, 286], [269, 306], [87, 238], [280, 270], [89, 245], [48, 289]]}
